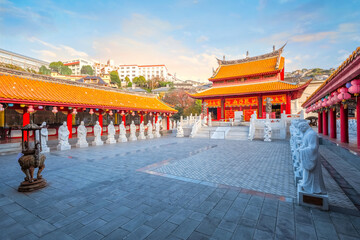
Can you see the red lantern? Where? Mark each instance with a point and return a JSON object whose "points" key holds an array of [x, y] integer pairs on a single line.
{"points": [[111, 113], [54, 110], [344, 95], [1, 108], [91, 111], [355, 87]]}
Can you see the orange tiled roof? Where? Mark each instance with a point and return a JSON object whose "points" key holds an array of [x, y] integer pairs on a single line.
{"points": [[20, 89], [243, 89], [334, 74], [267, 65]]}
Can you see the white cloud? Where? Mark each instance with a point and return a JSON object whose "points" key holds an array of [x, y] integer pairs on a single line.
{"points": [[51, 52], [313, 37], [202, 39]]}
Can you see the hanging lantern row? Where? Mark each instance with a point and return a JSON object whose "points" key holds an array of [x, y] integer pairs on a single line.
{"points": [[30, 109], [340, 95]]}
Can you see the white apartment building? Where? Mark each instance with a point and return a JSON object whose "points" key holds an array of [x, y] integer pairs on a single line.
{"points": [[21, 60], [77, 64], [147, 71]]}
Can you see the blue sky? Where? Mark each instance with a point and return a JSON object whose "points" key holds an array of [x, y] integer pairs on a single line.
{"points": [[186, 35]]}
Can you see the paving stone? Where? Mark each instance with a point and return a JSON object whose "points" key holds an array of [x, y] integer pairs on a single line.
{"points": [[93, 236], [346, 237], [197, 216], [117, 234], [185, 229], [180, 216], [136, 222], [305, 232], [88, 228], [40, 228], [260, 235], [252, 212], [208, 225], [140, 233], [198, 236], [266, 223], [57, 235], [158, 234], [344, 226], [325, 230], [13, 232], [221, 234], [243, 232], [158, 219], [108, 227]]}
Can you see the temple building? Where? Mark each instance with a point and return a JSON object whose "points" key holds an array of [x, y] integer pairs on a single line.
{"points": [[26, 98], [245, 84], [337, 103]]}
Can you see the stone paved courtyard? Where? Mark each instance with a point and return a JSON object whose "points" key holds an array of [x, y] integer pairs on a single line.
{"points": [[166, 188]]}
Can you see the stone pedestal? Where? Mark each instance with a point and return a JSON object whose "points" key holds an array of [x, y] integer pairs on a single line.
{"points": [[312, 199], [97, 143], [122, 138], [110, 141], [62, 147], [45, 149], [82, 144], [25, 186]]}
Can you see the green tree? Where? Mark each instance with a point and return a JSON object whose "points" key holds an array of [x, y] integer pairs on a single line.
{"points": [[65, 70], [87, 69], [114, 77], [140, 81], [44, 70], [129, 84], [56, 66], [127, 80]]}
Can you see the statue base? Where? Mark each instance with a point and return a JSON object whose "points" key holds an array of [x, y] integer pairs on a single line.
{"points": [[180, 136], [150, 136], [122, 139], [82, 145], [26, 186], [63, 147], [297, 177], [312, 199], [97, 143], [141, 137], [158, 135], [110, 141], [133, 139], [45, 150]]}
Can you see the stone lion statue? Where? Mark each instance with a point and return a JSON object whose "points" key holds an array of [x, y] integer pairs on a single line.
{"points": [[28, 163]]}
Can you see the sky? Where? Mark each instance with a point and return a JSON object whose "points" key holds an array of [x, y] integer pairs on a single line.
{"points": [[185, 35]]}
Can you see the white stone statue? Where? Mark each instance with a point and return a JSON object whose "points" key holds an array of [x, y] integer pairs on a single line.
{"points": [[312, 181], [132, 132], [142, 131], [97, 132], [122, 137], [111, 134], [180, 131], [149, 130], [170, 125], [63, 136], [44, 138], [81, 134], [157, 129], [204, 121], [252, 127], [210, 123], [267, 129]]}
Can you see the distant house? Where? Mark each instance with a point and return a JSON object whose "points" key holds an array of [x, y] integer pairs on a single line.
{"points": [[93, 80]]}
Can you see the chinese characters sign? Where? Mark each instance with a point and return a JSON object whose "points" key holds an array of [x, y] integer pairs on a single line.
{"points": [[234, 102], [276, 99], [213, 103]]}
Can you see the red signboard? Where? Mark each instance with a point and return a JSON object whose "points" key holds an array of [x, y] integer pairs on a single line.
{"points": [[213, 103], [247, 101], [276, 99]]}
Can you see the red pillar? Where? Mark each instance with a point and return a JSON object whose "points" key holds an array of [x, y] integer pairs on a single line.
{"points": [[333, 123], [325, 123], [344, 131], [26, 121], [288, 104], [218, 113], [69, 124], [156, 118], [358, 119], [101, 121], [320, 122], [168, 122], [124, 120], [141, 118]]}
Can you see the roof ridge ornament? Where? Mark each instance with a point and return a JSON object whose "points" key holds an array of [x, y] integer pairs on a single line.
{"points": [[276, 53]]}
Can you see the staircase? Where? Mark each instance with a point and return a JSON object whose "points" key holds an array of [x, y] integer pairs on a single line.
{"points": [[229, 133], [10, 148], [238, 133]]}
